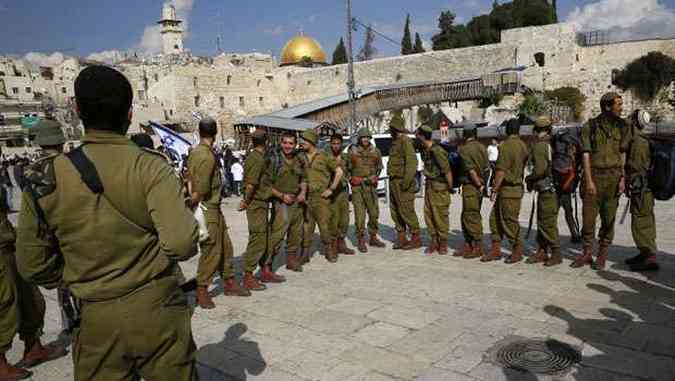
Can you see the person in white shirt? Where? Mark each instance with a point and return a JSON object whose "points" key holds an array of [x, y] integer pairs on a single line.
{"points": [[237, 176], [493, 155]]}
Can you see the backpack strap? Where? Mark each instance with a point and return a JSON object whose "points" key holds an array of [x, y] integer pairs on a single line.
{"points": [[87, 170]]}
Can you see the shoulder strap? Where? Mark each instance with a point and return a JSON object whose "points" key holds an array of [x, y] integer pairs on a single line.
{"points": [[87, 170]]}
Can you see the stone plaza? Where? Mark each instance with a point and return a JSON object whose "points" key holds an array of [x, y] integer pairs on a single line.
{"points": [[401, 315]]}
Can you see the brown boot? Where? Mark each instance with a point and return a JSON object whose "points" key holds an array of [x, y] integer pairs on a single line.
{"points": [[443, 246], [331, 252], [11, 373], [251, 283], [555, 259], [516, 254], [342, 247], [464, 251], [495, 253], [375, 242], [362, 246], [204, 299], [306, 255], [601, 259], [584, 259], [267, 275], [476, 250], [433, 246], [293, 262], [231, 287], [401, 242], [415, 242], [38, 354], [538, 257]]}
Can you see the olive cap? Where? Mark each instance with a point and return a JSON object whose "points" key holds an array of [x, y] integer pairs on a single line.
{"points": [[397, 123], [426, 129], [310, 136], [543, 122], [49, 133], [610, 96], [364, 133]]}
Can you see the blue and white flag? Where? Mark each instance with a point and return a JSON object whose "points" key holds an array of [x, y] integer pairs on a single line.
{"points": [[175, 145]]}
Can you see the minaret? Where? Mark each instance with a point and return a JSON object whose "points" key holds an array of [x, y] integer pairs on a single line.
{"points": [[172, 33]]}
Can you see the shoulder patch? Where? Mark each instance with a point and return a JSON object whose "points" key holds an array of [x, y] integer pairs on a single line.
{"points": [[156, 153], [40, 176]]}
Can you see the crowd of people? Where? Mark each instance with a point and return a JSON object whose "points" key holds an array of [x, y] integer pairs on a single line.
{"points": [[109, 222]]}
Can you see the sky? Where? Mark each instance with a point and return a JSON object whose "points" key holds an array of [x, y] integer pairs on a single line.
{"points": [[45, 30]]}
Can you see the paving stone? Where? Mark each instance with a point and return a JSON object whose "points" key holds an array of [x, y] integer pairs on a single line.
{"points": [[404, 317], [628, 362], [384, 361], [335, 322], [432, 343], [380, 334], [310, 365], [355, 306], [436, 374]]}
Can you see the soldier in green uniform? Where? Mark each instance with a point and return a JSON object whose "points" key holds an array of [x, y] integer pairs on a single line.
{"points": [[109, 221], [401, 170], [340, 203], [285, 175], [643, 225], [254, 202], [364, 165], [507, 195], [204, 188], [476, 172], [438, 184], [541, 181], [603, 183], [323, 177]]}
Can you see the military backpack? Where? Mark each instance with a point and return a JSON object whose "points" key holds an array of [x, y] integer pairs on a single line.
{"points": [[565, 160], [662, 170]]}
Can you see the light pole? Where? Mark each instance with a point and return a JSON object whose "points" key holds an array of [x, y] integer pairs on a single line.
{"points": [[350, 69]]}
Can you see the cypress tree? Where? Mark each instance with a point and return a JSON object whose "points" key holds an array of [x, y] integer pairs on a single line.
{"points": [[340, 53], [406, 43], [419, 46]]}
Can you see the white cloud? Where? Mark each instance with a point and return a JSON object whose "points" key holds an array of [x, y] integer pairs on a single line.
{"points": [[41, 59], [626, 18], [151, 40], [276, 31], [107, 56]]}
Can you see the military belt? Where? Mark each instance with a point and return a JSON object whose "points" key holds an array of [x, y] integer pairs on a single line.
{"points": [[616, 171]]}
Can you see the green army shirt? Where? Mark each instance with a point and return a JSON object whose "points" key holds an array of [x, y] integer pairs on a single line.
{"points": [[603, 137], [104, 246], [319, 172], [436, 164], [254, 170], [512, 158], [402, 162], [204, 175], [474, 158], [340, 161], [541, 158], [364, 161], [639, 156], [289, 176], [7, 235]]}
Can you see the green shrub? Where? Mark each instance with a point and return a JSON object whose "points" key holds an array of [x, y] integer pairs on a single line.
{"points": [[647, 75], [570, 97]]}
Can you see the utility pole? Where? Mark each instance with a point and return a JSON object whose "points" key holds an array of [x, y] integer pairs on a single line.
{"points": [[350, 69]]}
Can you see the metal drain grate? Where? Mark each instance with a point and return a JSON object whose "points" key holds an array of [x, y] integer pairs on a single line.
{"points": [[542, 356]]}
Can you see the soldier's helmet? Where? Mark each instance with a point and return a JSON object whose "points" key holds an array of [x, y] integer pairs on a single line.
{"points": [[543, 123], [397, 124], [49, 133], [469, 130], [310, 136], [364, 133]]}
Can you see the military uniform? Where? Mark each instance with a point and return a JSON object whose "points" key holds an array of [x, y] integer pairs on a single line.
{"points": [[436, 197], [474, 158], [401, 170], [256, 212], [602, 138], [339, 222], [118, 253], [504, 218], [364, 165]]}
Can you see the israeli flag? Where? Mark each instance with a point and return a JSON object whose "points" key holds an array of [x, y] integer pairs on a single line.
{"points": [[175, 145]]}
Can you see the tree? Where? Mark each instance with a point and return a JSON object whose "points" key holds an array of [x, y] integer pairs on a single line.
{"points": [[647, 75], [340, 53], [419, 46], [451, 36], [368, 50], [406, 42], [481, 30], [555, 11]]}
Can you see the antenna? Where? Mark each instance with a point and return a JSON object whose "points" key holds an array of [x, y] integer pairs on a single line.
{"points": [[350, 69]]}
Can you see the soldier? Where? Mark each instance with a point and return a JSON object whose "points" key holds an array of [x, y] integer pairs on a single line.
{"points": [[217, 250], [254, 202], [323, 177], [643, 225], [364, 165], [438, 183], [401, 169], [289, 190], [476, 172], [541, 181], [603, 160], [507, 195], [108, 220], [340, 203]]}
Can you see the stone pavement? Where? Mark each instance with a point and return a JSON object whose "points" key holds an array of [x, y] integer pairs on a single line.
{"points": [[391, 315]]}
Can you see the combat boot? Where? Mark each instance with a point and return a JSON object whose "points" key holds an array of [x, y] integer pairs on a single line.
{"points": [[375, 242], [636, 259], [251, 283], [402, 241], [11, 373], [516, 254], [306, 255], [443, 246], [362, 246], [37, 354], [601, 259], [267, 275], [293, 262], [342, 247], [495, 253], [586, 258], [204, 299], [331, 252], [231, 287], [555, 259], [476, 251], [414, 243], [433, 246], [649, 264], [538, 257], [464, 251]]}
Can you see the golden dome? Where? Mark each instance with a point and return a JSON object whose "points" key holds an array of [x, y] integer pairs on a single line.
{"points": [[300, 47]]}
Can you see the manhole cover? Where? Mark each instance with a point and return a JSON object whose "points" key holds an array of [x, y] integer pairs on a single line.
{"points": [[543, 356]]}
